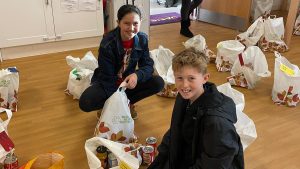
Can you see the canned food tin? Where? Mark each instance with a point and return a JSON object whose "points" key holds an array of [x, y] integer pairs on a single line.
{"points": [[112, 160], [102, 155], [11, 162], [152, 141], [148, 155]]}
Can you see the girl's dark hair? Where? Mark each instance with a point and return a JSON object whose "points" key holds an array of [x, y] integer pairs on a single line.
{"points": [[126, 9]]}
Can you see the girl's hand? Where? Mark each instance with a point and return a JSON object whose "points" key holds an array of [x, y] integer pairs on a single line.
{"points": [[131, 81]]}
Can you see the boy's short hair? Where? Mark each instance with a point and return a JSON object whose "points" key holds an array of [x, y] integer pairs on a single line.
{"points": [[190, 57]]}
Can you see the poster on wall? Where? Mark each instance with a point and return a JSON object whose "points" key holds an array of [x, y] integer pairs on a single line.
{"points": [[69, 5], [87, 5]]}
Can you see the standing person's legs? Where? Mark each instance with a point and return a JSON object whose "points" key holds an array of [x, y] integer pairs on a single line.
{"points": [[185, 9], [194, 5], [169, 3], [145, 89], [185, 20], [93, 98]]}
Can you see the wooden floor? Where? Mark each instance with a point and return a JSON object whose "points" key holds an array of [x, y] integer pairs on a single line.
{"points": [[48, 120]]}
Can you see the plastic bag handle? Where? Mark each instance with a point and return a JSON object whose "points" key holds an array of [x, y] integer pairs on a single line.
{"points": [[296, 30], [9, 115], [265, 74], [241, 59], [277, 54], [122, 86], [272, 17]]}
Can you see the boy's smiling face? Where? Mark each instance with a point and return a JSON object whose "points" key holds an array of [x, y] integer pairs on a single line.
{"points": [[189, 82]]}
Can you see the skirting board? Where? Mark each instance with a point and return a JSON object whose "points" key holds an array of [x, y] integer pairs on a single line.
{"points": [[228, 21], [46, 48]]}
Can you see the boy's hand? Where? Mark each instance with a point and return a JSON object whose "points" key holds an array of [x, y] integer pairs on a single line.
{"points": [[131, 81]]}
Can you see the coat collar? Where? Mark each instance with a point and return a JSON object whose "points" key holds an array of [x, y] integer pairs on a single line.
{"points": [[212, 102], [136, 42]]}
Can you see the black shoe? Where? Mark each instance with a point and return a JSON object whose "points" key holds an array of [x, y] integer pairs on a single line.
{"points": [[186, 32]]}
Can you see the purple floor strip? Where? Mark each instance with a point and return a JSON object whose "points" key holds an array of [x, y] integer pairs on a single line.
{"points": [[164, 18]]}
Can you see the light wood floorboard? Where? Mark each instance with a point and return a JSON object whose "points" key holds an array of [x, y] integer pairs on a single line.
{"points": [[48, 120]]}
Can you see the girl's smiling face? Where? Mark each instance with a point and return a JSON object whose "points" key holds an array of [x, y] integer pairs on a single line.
{"points": [[129, 25]]}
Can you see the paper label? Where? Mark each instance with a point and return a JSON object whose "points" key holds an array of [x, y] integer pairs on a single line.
{"points": [[287, 70], [123, 165]]}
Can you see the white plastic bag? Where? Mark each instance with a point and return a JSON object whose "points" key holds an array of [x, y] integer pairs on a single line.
{"points": [[261, 7], [78, 82], [9, 86], [87, 62], [81, 74], [228, 52], [249, 68], [253, 33], [116, 122], [286, 87], [272, 40], [245, 126], [4, 83], [235, 95], [162, 58], [124, 159], [297, 26], [3, 127], [199, 43]]}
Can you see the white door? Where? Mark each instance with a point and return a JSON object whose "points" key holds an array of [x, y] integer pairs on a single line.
{"points": [[24, 22], [144, 6], [78, 23]]}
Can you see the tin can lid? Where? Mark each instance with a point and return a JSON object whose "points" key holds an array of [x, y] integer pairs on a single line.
{"points": [[151, 140], [101, 149], [10, 158], [148, 149]]}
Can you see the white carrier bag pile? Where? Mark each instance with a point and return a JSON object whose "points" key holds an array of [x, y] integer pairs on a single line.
{"points": [[272, 40], [228, 52], [245, 126], [125, 159], [253, 33], [116, 123], [5, 139], [162, 58], [81, 73], [250, 66], [297, 25], [199, 43], [286, 87], [9, 86]]}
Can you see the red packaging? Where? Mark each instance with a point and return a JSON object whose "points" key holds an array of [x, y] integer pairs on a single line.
{"points": [[148, 155], [152, 141]]}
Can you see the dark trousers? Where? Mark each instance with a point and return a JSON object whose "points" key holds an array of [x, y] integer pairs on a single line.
{"points": [[94, 97], [170, 3], [187, 8]]}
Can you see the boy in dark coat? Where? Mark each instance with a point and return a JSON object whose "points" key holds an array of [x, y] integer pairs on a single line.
{"points": [[202, 134]]}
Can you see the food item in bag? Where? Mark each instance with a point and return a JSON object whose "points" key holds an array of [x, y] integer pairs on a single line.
{"points": [[152, 141], [112, 160], [11, 161], [102, 155], [148, 155]]}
